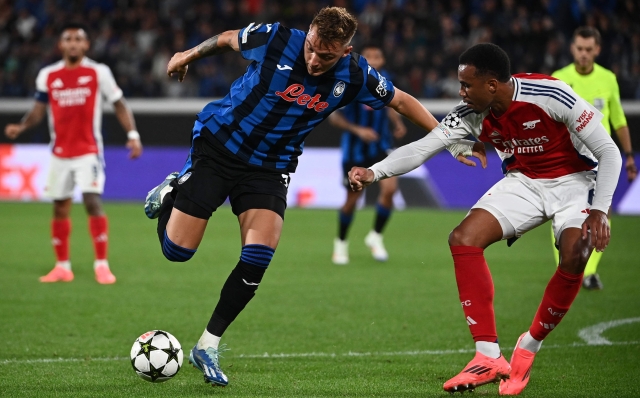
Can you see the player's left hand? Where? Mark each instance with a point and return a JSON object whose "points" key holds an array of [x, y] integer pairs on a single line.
{"points": [[176, 65], [598, 224], [478, 152], [135, 148], [630, 166], [399, 130]]}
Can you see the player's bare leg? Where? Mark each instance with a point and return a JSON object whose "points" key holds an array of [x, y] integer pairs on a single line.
{"points": [[384, 206], [260, 231], [340, 254], [467, 243], [558, 296], [60, 231], [99, 229]]}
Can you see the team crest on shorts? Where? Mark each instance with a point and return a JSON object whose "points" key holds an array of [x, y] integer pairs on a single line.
{"points": [[184, 178], [338, 89], [452, 120]]}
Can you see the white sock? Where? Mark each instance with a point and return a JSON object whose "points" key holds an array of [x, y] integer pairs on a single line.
{"points": [[64, 264], [208, 340], [492, 350], [529, 343], [100, 263]]}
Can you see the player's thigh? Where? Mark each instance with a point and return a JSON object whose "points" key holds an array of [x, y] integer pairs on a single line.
{"points": [[515, 203], [89, 173], [569, 200], [185, 230], [60, 181], [260, 200]]}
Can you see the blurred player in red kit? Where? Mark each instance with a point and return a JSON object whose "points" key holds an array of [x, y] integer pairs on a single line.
{"points": [[74, 88]]}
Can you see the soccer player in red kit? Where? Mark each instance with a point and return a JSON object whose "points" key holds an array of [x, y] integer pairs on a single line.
{"points": [[551, 143], [74, 88]]}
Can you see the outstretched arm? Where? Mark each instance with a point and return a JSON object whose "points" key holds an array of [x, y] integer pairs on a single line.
{"points": [[32, 118], [412, 109], [222, 43]]}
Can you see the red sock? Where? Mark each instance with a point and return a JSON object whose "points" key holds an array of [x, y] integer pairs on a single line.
{"points": [[99, 231], [475, 288], [60, 230], [558, 296]]}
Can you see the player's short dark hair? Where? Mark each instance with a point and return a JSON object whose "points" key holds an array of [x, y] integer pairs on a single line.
{"points": [[488, 59], [335, 25], [73, 26], [586, 32]]}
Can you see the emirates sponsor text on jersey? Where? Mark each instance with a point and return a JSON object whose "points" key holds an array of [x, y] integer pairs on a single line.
{"points": [[529, 145], [71, 96]]}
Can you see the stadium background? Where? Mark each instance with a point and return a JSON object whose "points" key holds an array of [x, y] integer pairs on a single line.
{"points": [[369, 329], [422, 40]]}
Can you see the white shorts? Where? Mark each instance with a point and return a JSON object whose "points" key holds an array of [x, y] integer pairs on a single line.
{"points": [[521, 203], [86, 171]]}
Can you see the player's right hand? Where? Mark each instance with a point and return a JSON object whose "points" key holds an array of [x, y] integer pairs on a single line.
{"points": [[359, 177], [176, 65], [12, 131], [597, 225]]}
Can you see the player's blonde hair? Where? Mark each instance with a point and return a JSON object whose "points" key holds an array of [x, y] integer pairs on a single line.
{"points": [[335, 25]]}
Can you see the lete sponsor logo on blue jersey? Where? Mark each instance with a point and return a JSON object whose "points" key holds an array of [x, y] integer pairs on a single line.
{"points": [[273, 107]]}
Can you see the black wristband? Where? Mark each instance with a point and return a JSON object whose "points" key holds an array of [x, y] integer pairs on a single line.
{"points": [[627, 154]]}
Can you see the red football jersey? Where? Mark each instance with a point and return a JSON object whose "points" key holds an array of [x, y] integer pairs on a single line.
{"points": [[75, 105], [538, 134]]}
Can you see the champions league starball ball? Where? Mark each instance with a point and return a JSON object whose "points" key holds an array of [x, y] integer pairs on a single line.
{"points": [[156, 356]]}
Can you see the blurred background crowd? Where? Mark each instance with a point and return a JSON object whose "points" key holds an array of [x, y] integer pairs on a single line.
{"points": [[421, 38]]}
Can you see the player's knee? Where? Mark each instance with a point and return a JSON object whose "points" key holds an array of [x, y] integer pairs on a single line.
{"points": [[575, 261], [458, 237], [175, 252]]}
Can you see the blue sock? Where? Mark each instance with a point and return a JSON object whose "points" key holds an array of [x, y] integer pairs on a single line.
{"points": [[258, 255], [382, 216], [345, 223], [174, 252]]}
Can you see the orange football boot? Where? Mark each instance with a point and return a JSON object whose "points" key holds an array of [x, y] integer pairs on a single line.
{"points": [[57, 274], [481, 370], [521, 363]]}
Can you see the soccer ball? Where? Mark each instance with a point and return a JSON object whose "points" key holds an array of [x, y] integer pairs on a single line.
{"points": [[156, 356]]}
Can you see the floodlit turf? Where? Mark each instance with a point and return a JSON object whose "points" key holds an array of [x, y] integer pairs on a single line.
{"points": [[366, 329]]}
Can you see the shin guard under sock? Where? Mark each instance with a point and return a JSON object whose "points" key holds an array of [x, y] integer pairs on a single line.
{"points": [[240, 286], [558, 296], [475, 288]]}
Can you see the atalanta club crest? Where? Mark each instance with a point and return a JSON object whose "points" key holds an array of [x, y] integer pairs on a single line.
{"points": [[338, 89], [184, 178], [452, 120]]}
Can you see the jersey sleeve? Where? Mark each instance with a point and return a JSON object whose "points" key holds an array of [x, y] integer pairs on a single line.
{"points": [[458, 124], [580, 116], [42, 91], [616, 114], [377, 90], [254, 40], [108, 86]]}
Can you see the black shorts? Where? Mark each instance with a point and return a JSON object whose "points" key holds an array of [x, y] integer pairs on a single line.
{"points": [[215, 174], [346, 167]]}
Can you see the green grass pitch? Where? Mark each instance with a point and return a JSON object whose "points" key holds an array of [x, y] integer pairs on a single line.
{"points": [[368, 329]]}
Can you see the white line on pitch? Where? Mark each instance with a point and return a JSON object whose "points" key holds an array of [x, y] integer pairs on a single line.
{"points": [[313, 354]]}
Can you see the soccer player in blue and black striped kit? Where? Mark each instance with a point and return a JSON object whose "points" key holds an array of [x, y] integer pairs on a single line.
{"points": [[245, 145], [366, 139]]}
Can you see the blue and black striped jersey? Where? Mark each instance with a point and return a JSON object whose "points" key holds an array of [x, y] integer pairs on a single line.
{"points": [[356, 151], [276, 103]]}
